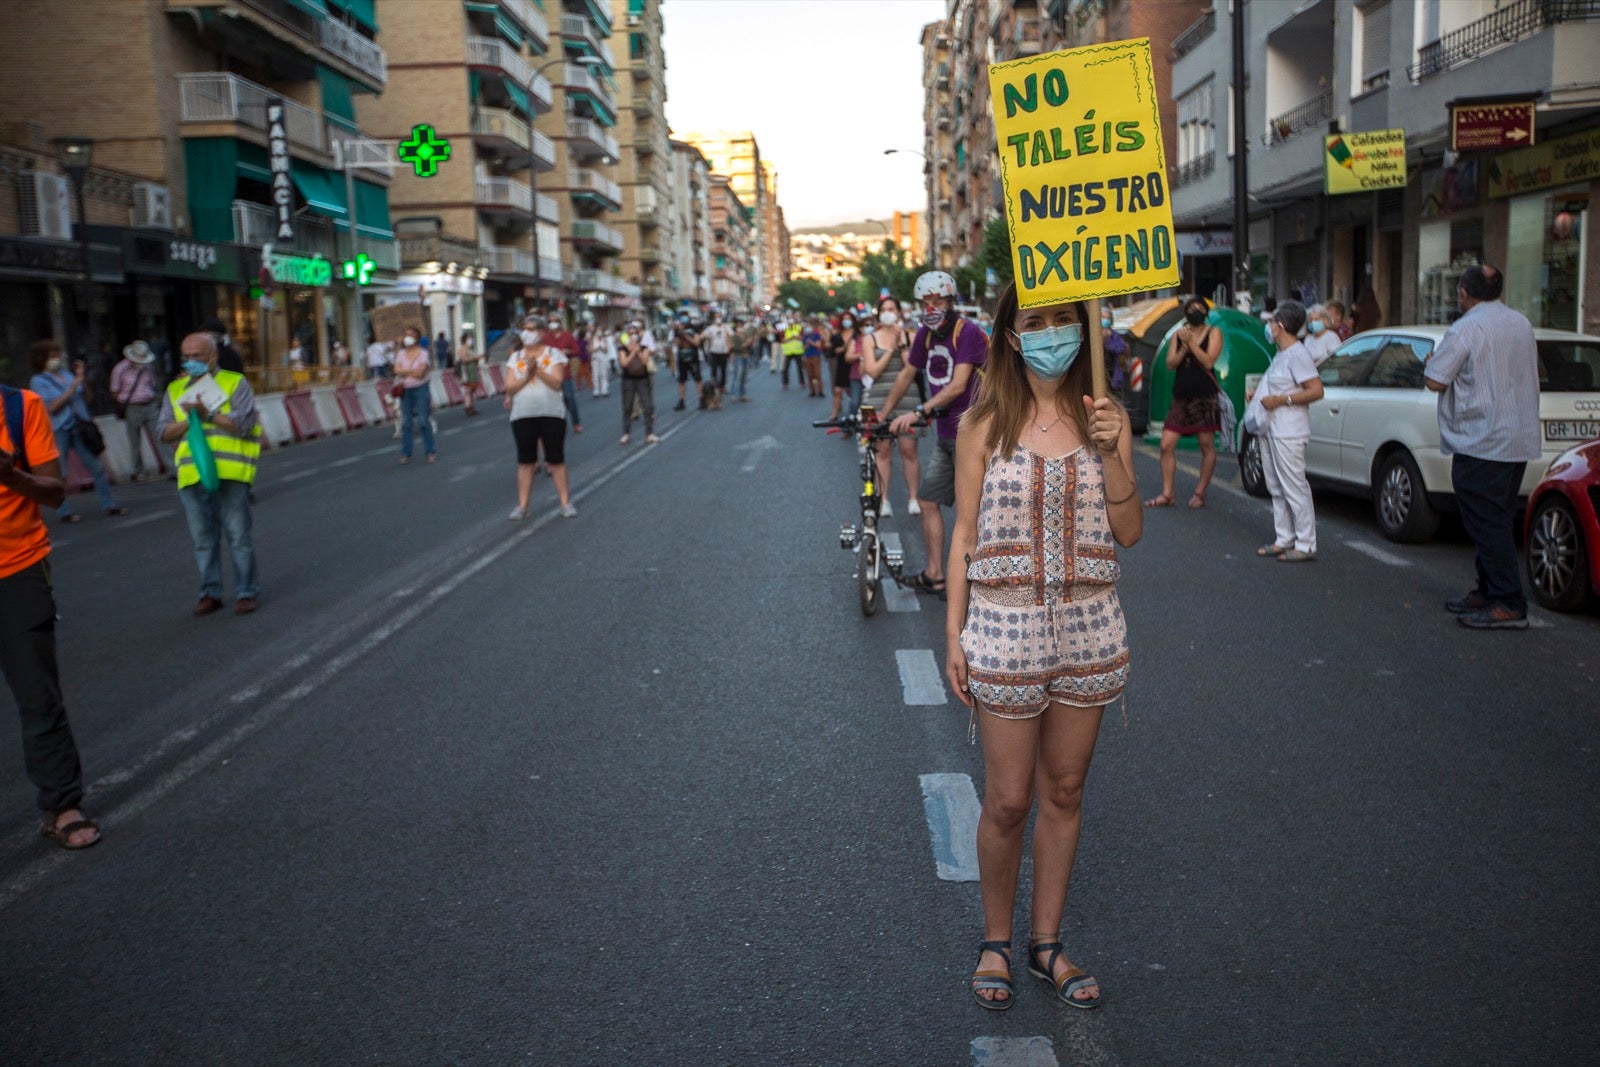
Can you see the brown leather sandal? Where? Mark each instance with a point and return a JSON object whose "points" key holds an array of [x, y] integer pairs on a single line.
{"points": [[62, 835]]}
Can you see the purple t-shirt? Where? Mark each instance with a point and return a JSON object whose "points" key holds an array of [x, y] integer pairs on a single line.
{"points": [[939, 363]]}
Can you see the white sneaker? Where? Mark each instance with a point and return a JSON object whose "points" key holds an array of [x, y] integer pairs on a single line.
{"points": [[652, 439], [568, 511], [624, 440], [518, 514], [913, 508], [886, 511]]}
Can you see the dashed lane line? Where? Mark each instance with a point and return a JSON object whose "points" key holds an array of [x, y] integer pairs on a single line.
{"points": [[950, 803], [897, 597], [920, 681], [1014, 1052], [296, 476], [140, 520], [31, 875], [1384, 556]]}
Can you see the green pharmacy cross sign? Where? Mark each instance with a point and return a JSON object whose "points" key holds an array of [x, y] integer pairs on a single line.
{"points": [[424, 150], [358, 270]]}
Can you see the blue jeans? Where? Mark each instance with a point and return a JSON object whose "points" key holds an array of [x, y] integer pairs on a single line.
{"points": [[415, 403], [569, 397], [211, 516], [741, 371], [70, 439], [852, 402]]}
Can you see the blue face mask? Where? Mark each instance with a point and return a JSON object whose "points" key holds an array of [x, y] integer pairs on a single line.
{"points": [[196, 367], [1050, 352], [1315, 326]]}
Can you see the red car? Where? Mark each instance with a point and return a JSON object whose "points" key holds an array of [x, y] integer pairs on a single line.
{"points": [[1563, 532]]}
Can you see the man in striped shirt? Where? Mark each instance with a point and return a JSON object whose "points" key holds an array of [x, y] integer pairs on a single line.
{"points": [[1486, 372]]}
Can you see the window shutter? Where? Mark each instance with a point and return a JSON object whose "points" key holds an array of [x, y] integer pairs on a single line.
{"points": [[1375, 20]]}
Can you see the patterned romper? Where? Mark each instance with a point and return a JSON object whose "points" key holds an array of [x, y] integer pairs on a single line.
{"points": [[1044, 622]]}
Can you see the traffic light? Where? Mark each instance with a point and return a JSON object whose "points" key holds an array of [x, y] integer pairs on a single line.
{"points": [[828, 260]]}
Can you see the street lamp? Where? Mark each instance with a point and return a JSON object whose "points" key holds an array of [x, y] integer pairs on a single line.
{"points": [[75, 154], [590, 62]]}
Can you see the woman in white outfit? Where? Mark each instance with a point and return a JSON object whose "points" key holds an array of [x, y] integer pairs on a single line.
{"points": [[602, 358], [1290, 384]]}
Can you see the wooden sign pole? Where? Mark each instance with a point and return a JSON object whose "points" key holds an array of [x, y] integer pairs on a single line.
{"points": [[1097, 348]]}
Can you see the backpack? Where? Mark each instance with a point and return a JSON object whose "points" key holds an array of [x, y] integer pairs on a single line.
{"points": [[15, 428]]}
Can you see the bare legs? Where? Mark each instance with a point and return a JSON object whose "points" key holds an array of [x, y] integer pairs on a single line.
{"points": [[933, 540], [1208, 467], [1050, 755], [525, 473], [910, 468], [1169, 469]]}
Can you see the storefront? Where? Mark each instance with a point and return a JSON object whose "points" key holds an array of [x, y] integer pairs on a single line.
{"points": [[1206, 261], [1450, 237], [1549, 192], [451, 302], [41, 296], [298, 323], [175, 285]]}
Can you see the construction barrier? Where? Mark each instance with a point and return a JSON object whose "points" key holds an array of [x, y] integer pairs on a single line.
{"points": [[118, 460], [274, 418], [436, 392], [1136, 375], [302, 415], [350, 407], [372, 406], [326, 405], [497, 374], [452, 387]]}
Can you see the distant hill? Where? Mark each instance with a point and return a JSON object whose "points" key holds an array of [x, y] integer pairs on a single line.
{"points": [[839, 229]]}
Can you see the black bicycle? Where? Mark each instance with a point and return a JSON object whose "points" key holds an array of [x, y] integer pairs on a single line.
{"points": [[873, 558]]}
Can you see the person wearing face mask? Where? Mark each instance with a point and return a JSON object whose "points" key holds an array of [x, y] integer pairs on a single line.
{"points": [[1193, 351], [881, 367], [65, 398], [745, 338], [1116, 350], [534, 374], [718, 341], [838, 363], [1036, 642], [1290, 384], [411, 376], [557, 336], [1319, 340], [949, 352], [234, 436]]}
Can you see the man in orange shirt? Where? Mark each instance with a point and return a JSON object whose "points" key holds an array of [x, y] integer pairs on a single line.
{"points": [[30, 477]]}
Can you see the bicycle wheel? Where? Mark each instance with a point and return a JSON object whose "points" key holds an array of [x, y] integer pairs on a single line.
{"points": [[867, 571]]}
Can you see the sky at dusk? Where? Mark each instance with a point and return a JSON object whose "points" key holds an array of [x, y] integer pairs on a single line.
{"points": [[826, 85]]}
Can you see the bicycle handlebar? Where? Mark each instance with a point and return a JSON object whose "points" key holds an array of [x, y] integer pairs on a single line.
{"points": [[852, 423]]}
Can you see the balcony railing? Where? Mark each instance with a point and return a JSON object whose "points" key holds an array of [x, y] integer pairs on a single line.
{"points": [[544, 152], [578, 28], [550, 270], [510, 260], [591, 232], [1186, 41], [1195, 169], [1511, 23], [1311, 115], [591, 138], [360, 52], [219, 97], [647, 101], [531, 19], [257, 224], [441, 248], [504, 192], [503, 125], [493, 52], [584, 180], [577, 79], [385, 255], [546, 208]]}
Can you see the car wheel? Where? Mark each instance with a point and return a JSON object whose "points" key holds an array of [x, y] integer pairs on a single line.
{"points": [[1557, 558], [1400, 500], [1250, 475]]}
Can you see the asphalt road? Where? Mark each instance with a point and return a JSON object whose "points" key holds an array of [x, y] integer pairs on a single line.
{"points": [[643, 786]]}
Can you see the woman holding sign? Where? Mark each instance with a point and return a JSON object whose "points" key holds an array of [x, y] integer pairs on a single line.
{"points": [[1036, 639]]}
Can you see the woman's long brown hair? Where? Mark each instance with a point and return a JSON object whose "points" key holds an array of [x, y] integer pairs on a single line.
{"points": [[1004, 395]]}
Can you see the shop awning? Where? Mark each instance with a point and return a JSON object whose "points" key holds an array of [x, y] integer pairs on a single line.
{"points": [[363, 11], [314, 8], [323, 190], [253, 162], [518, 94], [372, 210], [212, 164], [336, 94]]}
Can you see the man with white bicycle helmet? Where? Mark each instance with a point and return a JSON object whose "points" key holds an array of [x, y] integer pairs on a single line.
{"points": [[949, 352]]}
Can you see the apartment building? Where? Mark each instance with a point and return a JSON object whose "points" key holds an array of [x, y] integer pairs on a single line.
{"points": [[736, 154], [691, 251], [774, 238], [938, 142], [832, 254], [735, 245], [214, 127], [1338, 66], [647, 172]]}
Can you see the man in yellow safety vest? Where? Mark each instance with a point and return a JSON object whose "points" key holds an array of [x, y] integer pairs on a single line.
{"points": [[793, 349], [226, 408]]}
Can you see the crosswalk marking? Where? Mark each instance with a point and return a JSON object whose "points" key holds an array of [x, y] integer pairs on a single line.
{"points": [[920, 682], [1013, 1052], [950, 803], [895, 596]]}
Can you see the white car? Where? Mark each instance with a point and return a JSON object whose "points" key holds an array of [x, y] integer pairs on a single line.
{"points": [[1376, 429]]}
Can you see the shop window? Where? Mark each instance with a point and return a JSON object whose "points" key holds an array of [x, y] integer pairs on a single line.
{"points": [[1544, 260], [1444, 251]]}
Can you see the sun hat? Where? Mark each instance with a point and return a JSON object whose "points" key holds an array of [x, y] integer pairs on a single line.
{"points": [[138, 352]]}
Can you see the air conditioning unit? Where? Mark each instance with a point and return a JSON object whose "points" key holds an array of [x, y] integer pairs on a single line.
{"points": [[47, 205], [635, 19], [152, 206]]}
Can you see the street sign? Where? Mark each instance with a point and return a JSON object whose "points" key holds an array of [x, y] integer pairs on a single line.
{"points": [[1079, 135], [1362, 162], [1474, 127]]}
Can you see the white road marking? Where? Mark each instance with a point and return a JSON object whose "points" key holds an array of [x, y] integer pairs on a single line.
{"points": [[1014, 1052], [330, 668], [756, 449], [142, 519], [951, 805], [451, 431], [463, 472], [1366, 548], [296, 476], [347, 461], [895, 596], [920, 681]]}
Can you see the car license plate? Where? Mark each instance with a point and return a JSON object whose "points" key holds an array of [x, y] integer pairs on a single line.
{"points": [[1571, 429]]}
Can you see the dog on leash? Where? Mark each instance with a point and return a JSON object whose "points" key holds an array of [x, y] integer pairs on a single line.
{"points": [[710, 396]]}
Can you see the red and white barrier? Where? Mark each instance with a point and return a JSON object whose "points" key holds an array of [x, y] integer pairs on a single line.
{"points": [[371, 402], [350, 407], [274, 417], [302, 415], [1136, 375], [325, 403], [118, 459]]}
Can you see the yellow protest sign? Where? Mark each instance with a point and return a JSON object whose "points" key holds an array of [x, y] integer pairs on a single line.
{"points": [[1084, 173], [1362, 162]]}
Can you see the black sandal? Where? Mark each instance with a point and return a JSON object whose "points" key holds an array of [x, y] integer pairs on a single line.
{"points": [[62, 835], [999, 981], [1070, 982], [923, 584]]}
